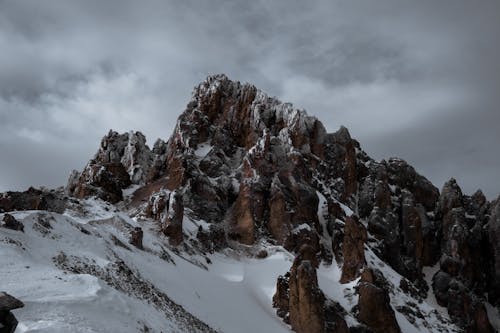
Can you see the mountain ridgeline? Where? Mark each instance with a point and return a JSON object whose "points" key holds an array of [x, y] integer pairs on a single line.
{"points": [[260, 173]]}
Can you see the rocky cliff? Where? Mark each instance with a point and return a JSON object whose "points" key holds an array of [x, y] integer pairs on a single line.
{"points": [[260, 174]]}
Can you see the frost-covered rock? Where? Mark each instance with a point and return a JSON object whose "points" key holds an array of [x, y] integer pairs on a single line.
{"points": [[130, 150], [246, 175], [462, 280], [136, 238], [104, 181], [8, 322], [33, 199], [122, 160], [172, 226], [10, 222]]}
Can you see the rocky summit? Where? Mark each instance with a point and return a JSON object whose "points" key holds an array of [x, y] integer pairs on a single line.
{"points": [[250, 217]]}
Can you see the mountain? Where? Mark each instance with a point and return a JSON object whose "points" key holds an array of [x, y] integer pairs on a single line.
{"points": [[250, 217]]}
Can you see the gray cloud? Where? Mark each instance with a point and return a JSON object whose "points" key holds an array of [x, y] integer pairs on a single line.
{"points": [[413, 79]]}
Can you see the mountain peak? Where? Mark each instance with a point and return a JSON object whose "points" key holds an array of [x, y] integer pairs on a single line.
{"points": [[248, 175]]}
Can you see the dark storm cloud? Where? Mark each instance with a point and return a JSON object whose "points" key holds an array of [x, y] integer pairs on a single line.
{"points": [[414, 79]]}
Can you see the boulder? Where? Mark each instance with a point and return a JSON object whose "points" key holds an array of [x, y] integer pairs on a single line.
{"points": [[440, 282], [8, 322], [136, 237], [10, 222], [281, 298], [213, 239]]}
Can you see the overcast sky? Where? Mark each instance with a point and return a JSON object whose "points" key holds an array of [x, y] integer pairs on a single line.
{"points": [[419, 80]]}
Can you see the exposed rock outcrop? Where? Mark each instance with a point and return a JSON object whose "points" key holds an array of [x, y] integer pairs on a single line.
{"points": [[172, 226], [122, 160], [104, 181], [136, 238], [129, 150], [281, 299], [374, 304], [494, 241], [353, 249], [462, 278], [398, 205], [300, 301], [10, 222], [8, 322], [33, 199]]}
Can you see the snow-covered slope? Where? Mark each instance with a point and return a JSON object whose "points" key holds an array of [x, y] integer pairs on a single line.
{"points": [[77, 273]]}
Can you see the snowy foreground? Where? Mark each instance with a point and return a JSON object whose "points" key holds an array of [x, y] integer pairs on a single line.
{"points": [[230, 294], [77, 273]]}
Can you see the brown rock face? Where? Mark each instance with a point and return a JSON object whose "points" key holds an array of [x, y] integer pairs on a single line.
{"points": [[300, 302], [104, 181], [353, 249], [374, 306], [306, 300], [242, 221], [136, 238], [168, 209], [479, 323], [176, 173], [279, 216], [231, 133], [172, 226]]}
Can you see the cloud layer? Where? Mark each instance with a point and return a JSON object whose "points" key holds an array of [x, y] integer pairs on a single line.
{"points": [[417, 80]]}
